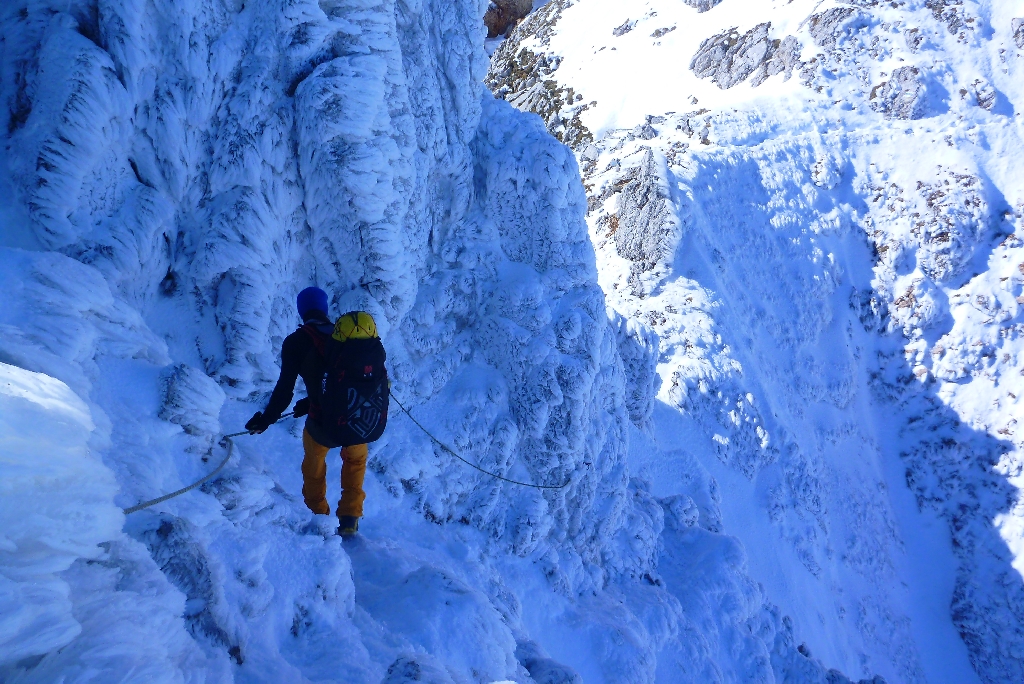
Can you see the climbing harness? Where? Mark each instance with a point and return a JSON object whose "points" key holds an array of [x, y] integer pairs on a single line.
{"points": [[165, 497], [473, 465]]}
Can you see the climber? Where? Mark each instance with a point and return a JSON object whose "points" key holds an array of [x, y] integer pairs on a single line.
{"points": [[342, 366]]}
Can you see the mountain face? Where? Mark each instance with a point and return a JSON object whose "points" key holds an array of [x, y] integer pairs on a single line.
{"points": [[815, 208], [753, 325], [178, 172]]}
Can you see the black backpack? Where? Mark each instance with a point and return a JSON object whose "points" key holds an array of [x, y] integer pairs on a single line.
{"points": [[354, 390]]}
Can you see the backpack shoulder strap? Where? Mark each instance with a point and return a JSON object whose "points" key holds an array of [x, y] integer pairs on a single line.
{"points": [[317, 337]]}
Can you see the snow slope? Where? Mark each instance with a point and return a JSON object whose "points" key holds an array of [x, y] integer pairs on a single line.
{"points": [[173, 172], [813, 206]]}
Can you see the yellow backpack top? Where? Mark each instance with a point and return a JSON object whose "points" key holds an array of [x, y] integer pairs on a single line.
{"points": [[355, 325]]}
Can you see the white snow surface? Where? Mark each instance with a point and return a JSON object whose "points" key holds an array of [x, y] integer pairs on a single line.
{"points": [[801, 393]]}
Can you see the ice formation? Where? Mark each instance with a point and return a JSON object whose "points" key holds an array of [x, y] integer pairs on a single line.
{"points": [[760, 315]]}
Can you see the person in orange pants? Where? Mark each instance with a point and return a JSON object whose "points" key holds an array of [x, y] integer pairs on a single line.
{"points": [[304, 353], [314, 480]]}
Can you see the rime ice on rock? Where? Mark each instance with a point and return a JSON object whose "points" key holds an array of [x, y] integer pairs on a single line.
{"points": [[638, 349], [202, 162], [827, 28], [192, 400], [903, 96], [702, 5], [729, 58], [646, 223]]}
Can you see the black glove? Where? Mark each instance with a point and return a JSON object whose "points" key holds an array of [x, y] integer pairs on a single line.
{"points": [[256, 424], [301, 407]]}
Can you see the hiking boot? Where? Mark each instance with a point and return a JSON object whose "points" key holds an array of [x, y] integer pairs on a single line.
{"points": [[348, 525]]}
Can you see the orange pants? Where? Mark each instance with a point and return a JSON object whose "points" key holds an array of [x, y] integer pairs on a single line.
{"points": [[314, 477]]}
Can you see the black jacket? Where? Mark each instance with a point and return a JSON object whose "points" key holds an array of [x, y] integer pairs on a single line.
{"points": [[299, 357]]}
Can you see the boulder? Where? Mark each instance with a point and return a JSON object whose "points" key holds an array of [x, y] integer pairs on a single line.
{"points": [[902, 96]]}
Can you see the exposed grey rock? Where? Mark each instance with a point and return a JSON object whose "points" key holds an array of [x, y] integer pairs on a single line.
{"points": [[914, 38], [729, 58], [623, 28], [696, 124], [1018, 32], [702, 5], [501, 15], [644, 216], [825, 28], [902, 96], [784, 60], [525, 77], [951, 13], [984, 94], [645, 131]]}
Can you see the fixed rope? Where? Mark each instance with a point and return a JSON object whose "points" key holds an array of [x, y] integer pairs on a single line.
{"points": [[473, 465], [231, 447]]}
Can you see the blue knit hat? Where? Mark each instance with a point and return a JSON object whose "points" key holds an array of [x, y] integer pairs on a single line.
{"points": [[311, 299]]}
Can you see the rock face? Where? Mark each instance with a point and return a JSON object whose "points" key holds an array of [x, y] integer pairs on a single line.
{"points": [[525, 77], [1018, 32], [638, 349], [902, 96], [702, 5], [192, 400], [729, 58], [502, 15], [953, 14], [827, 27], [645, 225]]}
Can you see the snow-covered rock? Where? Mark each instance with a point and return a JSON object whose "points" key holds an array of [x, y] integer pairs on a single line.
{"points": [[768, 341], [902, 96]]}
